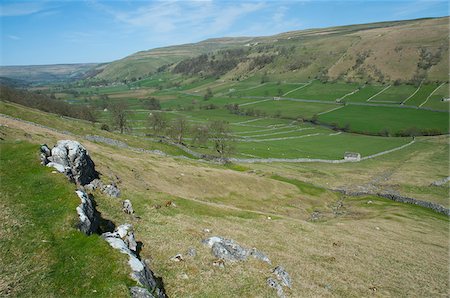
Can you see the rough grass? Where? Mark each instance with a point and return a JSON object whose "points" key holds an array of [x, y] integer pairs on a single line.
{"points": [[366, 246], [43, 254]]}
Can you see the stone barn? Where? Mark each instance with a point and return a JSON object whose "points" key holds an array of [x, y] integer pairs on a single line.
{"points": [[352, 156]]}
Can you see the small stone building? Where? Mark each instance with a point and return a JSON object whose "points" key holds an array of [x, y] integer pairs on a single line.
{"points": [[352, 156]]}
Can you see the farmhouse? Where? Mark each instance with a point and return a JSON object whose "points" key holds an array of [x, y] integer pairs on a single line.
{"points": [[352, 156]]}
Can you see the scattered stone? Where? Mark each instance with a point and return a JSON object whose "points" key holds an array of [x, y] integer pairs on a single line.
{"points": [[127, 207], [89, 217], [274, 284], [315, 215], [377, 228], [177, 258], [191, 252], [184, 276], [337, 243], [229, 250], [369, 202], [283, 276], [328, 287], [206, 230], [260, 256], [170, 204], [138, 292], [111, 190], [269, 218], [219, 263]]}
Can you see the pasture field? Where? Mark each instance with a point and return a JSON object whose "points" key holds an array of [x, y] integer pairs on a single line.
{"points": [[420, 95], [364, 93], [292, 109], [394, 94], [435, 100], [376, 119], [324, 91]]}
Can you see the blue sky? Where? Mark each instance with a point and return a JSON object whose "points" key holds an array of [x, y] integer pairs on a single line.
{"points": [[51, 32]]}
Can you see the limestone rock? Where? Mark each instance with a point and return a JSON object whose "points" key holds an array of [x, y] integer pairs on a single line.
{"points": [[177, 258], [111, 190], [89, 217], [140, 271], [138, 292], [260, 256], [283, 276], [274, 284], [71, 158], [191, 252], [127, 207], [229, 250]]}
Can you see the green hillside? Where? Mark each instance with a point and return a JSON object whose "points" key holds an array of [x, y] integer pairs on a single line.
{"points": [[378, 52]]}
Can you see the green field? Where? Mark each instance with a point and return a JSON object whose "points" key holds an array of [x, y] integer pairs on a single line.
{"points": [[394, 94], [324, 91], [376, 119]]}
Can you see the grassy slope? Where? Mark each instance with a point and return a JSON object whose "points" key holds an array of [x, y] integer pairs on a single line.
{"points": [[43, 254], [375, 245]]}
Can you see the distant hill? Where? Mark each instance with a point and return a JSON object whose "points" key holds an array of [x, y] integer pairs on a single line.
{"points": [[404, 51], [49, 73], [143, 63]]}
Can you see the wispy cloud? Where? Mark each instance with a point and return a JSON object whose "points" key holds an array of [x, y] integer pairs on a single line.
{"points": [[13, 37], [167, 16], [20, 9], [408, 8]]}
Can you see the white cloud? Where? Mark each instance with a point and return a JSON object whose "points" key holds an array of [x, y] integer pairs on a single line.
{"points": [[168, 16]]}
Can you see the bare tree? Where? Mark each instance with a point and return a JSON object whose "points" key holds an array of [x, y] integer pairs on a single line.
{"points": [[178, 129], [157, 123], [119, 115], [220, 134], [200, 134]]}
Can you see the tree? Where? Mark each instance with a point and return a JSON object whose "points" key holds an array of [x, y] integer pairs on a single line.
{"points": [[104, 98], [208, 94], [157, 123], [200, 134], [178, 129], [153, 104], [119, 115], [220, 134]]}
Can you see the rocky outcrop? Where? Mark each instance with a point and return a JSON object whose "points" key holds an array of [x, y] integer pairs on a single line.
{"points": [[229, 250], [72, 159], [89, 217], [123, 240]]}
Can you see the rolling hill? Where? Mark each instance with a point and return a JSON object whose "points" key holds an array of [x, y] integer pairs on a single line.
{"points": [[405, 51]]}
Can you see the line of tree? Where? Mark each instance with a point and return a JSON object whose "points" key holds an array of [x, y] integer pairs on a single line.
{"points": [[218, 133], [46, 103]]}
